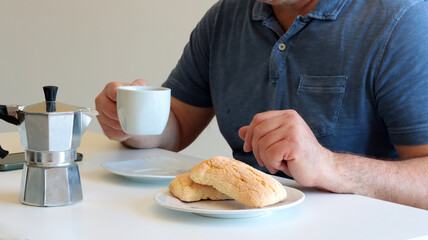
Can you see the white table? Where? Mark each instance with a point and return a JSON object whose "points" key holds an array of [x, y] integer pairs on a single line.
{"points": [[117, 208]]}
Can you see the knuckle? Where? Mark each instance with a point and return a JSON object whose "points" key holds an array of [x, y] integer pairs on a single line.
{"points": [[113, 85], [293, 114], [294, 137], [139, 81], [293, 132], [271, 155], [98, 100], [257, 130], [258, 117], [111, 88], [263, 144], [292, 111], [276, 152]]}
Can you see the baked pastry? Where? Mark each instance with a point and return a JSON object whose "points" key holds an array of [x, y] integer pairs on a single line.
{"points": [[240, 181], [183, 188]]}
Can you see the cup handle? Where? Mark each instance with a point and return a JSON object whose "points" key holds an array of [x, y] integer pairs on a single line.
{"points": [[3, 153], [5, 116]]}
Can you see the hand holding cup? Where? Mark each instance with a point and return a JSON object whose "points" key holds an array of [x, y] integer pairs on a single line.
{"points": [[106, 105]]}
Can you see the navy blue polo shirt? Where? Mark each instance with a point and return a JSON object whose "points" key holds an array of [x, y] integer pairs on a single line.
{"points": [[356, 71]]}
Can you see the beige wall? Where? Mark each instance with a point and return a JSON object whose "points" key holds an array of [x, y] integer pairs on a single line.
{"points": [[81, 45]]}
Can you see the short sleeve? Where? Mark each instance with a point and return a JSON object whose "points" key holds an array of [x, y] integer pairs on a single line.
{"points": [[402, 84], [189, 80]]}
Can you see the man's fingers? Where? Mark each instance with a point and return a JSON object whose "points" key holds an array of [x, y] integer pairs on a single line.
{"points": [[111, 90], [242, 131], [106, 106], [139, 82], [284, 167], [271, 169], [275, 136], [267, 133], [104, 119], [114, 134], [258, 118]]}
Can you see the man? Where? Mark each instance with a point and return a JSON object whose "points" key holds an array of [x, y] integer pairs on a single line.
{"points": [[319, 90]]}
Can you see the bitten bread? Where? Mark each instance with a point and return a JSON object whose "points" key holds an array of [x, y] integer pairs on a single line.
{"points": [[183, 188], [240, 181]]}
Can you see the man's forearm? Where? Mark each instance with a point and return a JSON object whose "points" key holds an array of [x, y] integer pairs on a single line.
{"points": [[404, 182]]}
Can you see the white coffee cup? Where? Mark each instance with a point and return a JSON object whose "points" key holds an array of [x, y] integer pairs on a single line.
{"points": [[143, 110]]}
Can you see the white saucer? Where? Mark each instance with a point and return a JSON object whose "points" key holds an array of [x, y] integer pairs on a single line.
{"points": [[151, 169], [227, 208]]}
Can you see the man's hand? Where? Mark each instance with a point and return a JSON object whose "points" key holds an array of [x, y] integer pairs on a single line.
{"points": [[105, 104], [281, 140]]}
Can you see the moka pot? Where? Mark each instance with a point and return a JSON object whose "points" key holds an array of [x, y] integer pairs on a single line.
{"points": [[50, 133]]}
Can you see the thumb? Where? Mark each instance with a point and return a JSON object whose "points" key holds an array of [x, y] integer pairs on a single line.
{"points": [[242, 132], [139, 82]]}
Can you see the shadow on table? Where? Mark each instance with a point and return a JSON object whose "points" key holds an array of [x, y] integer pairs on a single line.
{"points": [[110, 178], [162, 214]]}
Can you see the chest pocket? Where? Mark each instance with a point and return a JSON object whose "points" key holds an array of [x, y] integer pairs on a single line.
{"points": [[319, 99]]}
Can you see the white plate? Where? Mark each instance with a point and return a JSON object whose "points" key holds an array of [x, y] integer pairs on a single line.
{"points": [[150, 169], [227, 208]]}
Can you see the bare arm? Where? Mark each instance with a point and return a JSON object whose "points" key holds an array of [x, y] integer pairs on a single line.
{"points": [[403, 181], [281, 140]]}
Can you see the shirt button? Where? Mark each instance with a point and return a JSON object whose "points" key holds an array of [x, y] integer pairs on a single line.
{"points": [[281, 47]]}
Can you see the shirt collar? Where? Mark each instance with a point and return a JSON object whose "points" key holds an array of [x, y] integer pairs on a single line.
{"points": [[324, 10], [261, 11]]}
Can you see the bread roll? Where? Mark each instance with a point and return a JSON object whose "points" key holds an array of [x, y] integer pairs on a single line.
{"points": [[183, 188], [238, 180]]}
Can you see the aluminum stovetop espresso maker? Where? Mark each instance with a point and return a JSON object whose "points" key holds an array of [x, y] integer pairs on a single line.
{"points": [[50, 133]]}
